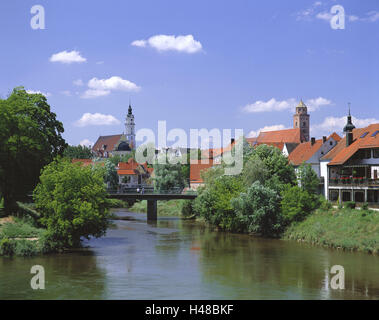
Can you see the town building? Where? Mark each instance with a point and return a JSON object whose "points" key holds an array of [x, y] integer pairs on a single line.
{"points": [[351, 169], [132, 174], [118, 144]]}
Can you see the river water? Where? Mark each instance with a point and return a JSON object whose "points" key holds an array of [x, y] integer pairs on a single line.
{"points": [[181, 259]]}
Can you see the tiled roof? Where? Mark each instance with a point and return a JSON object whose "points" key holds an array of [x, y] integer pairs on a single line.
{"points": [[196, 169], [335, 136], [215, 152], [287, 135], [304, 151], [132, 167], [340, 153], [108, 141]]}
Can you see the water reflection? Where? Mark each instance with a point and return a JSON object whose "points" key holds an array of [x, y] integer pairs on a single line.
{"points": [[176, 259]]}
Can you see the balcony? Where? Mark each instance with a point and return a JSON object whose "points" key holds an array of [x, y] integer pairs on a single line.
{"points": [[353, 182]]}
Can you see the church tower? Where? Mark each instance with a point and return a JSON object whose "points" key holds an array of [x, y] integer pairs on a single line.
{"points": [[301, 120], [130, 128]]}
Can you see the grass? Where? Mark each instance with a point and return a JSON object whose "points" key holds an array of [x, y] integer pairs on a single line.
{"points": [[165, 208], [347, 229], [20, 237]]}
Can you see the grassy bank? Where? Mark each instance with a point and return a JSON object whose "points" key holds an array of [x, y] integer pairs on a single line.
{"points": [[19, 236], [165, 208], [347, 229]]}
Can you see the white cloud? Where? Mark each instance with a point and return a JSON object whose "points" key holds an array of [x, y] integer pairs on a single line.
{"points": [[336, 124], [46, 94], [113, 83], [78, 82], [253, 133], [96, 119], [67, 57], [139, 43], [280, 105], [353, 18], [324, 16], [86, 143], [163, 42], [103, 87], [89, 94]]}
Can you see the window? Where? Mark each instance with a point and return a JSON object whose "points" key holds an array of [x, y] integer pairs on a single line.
{"points": [[367, 154], [304, 124], [375, 133], [363, 135], [376, 153], [331, 143]]}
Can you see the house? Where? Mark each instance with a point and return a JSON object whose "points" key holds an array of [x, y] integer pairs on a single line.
{"points": [[216, 154], [351, 169], [311, 152], [195, 173], [132, 174], [118, 144]]}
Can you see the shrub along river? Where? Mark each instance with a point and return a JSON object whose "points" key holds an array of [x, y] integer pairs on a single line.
{"points": [[182, 259]]}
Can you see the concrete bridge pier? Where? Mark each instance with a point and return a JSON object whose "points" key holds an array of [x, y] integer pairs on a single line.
{"points": [[152, 210]]}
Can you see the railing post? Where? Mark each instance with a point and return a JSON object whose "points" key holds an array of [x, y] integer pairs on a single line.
{"points": [[152, 210]]}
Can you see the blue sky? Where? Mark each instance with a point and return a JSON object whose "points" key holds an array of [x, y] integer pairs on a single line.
{"points": [[196, 64]]}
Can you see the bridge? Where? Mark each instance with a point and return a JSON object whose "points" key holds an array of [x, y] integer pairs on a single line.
{"points": [[152, 199]]}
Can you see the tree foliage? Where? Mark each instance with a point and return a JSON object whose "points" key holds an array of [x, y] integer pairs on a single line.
{"points": [[258, 210], [72, 202], [78, 152], [308, 179], [168, 176], [110, 175], [30, 138]]}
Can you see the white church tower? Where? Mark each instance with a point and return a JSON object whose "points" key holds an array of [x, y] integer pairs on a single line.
{"points": [[130, 128]]}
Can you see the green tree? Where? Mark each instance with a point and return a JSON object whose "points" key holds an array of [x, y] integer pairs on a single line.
{"points": [[122, 158], [110, 175], [254, 170], [308, 179], [296, 204], [30, 138], [73, 203], [77, 152], [258, 210], [213, 202]]}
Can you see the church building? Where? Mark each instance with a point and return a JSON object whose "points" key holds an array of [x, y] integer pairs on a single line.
{"points": [[118, 144]]}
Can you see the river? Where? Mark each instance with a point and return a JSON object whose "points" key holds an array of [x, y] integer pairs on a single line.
{"points": [[182, 259]]}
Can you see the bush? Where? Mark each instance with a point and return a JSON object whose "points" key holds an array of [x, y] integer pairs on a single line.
{"points": [[297, 204], [72, 201], [365, 206], [350, 205], [213, 202], [325, 205], [258, 210], [187, 208], [26, 248], [6, 247]]}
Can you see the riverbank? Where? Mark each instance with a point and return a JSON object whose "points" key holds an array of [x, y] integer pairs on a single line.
{"points": [[346, 229]]}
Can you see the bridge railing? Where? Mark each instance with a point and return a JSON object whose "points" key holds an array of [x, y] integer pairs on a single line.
{"points": [[149, 190]]}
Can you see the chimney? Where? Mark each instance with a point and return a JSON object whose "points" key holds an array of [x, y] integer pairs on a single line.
{"points": [[323, 139], [313, 141]]}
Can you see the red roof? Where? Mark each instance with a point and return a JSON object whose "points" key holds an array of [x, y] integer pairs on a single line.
{"points": [[212, 153], [304, 151], [341, 153], [131, 167], [84, 162], [196, 169], [335, 136], [109, 142], [285, 136]]}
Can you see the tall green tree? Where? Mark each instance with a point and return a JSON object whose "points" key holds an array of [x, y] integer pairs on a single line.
{"points": [[168, 176], [308, 179], [30, 137], [77, 152], [72, 200], [110, 175]]}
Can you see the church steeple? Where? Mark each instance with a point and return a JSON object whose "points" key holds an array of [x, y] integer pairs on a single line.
{"points": [[349, 127], [130, 127], [301, 120]]}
